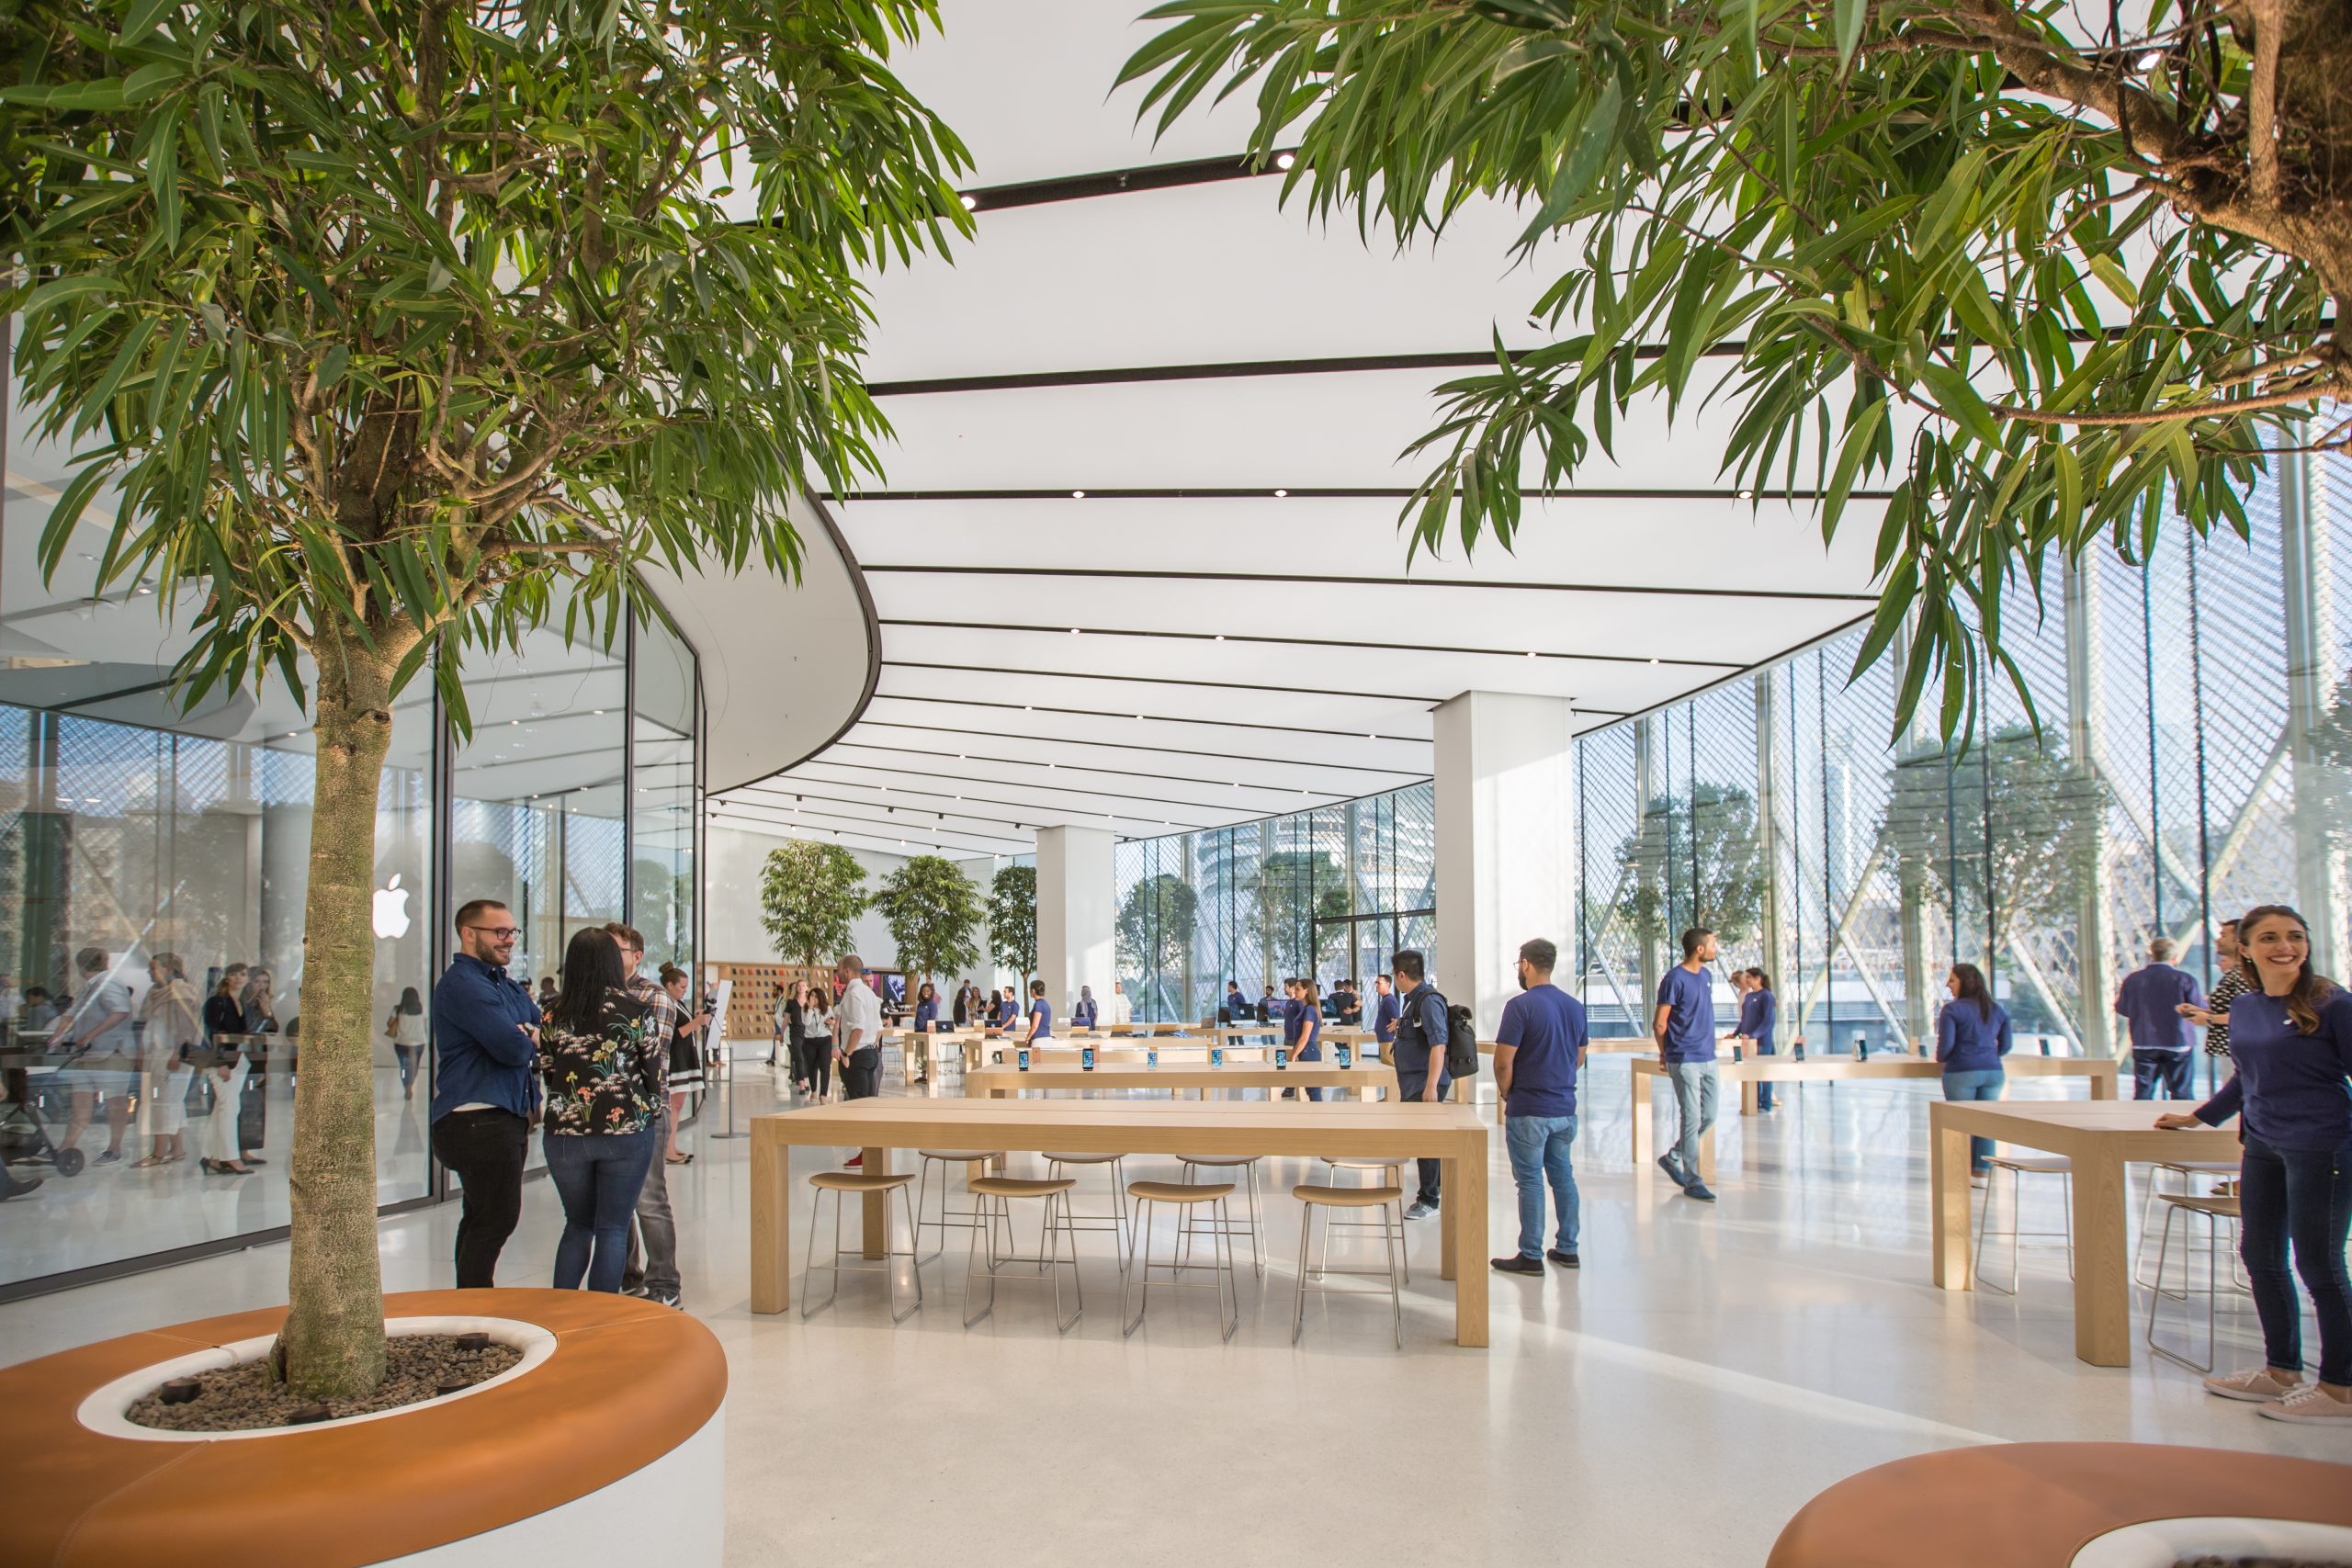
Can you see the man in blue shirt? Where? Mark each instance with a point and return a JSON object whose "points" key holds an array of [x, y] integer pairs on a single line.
{"points": [[1418, 1056], [485, 1085], [1385, 1012], [1684, 1027], [1537, 1051], [1236, 1006], [2148, 1001], [1294, 1017], [1041, 1012]]}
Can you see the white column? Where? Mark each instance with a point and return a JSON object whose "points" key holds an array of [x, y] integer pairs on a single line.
{"points": [[1076, 909], [1506, 841]]}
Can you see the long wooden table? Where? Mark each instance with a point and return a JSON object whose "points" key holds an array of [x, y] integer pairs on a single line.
{"points": [[1011, 1080], [2100, 1140], [2099, 1071], [1454, 1134]]}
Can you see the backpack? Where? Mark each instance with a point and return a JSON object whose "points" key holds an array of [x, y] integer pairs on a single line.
{"points": [[1460, 1039]]}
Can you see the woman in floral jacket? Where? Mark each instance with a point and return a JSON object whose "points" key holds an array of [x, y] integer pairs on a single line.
{"points": [[605, 1064]]}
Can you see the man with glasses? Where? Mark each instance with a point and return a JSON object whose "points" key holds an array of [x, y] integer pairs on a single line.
{"points": [[651, 1270], [485, 1085]]}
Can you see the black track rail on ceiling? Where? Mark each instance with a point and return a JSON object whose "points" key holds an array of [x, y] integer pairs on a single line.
{"points": [[872, 724], [1049, 765], [828, 761], [880, 826], [1226, 370], [1077, 494], [1392, 699], [1155, 718], [1123, 182], [1727, 665], [882, 837], [1309, 580], [761, 795]]}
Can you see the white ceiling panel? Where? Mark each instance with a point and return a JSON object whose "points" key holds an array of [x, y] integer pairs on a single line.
{"points": [[1405, 754], [1161, 697]]}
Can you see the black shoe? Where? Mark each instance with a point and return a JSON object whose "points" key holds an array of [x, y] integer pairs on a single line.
{"points": [[1673, 1170], [1515, 1264], [17, 1189], [1564, 1260]]}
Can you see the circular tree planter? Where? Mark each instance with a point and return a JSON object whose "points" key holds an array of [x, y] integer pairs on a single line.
{"points": [[2070, 1506], [604, 1444]]}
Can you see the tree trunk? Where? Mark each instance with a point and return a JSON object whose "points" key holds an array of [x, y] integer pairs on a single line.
{"points": [[333, 1344]]}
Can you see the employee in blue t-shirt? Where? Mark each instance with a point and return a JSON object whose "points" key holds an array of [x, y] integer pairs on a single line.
{"points": [[1384, 1011], [1419, 1056], [1303, 1030], [2292, 1039], [2148, 1001], [1759, 1010], [1041, 1013], [1684, 1027], [1537, 1051], [1972, 1036]]}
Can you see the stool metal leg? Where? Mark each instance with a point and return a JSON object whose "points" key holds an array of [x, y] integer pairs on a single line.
{"points": [[809, 1261], [1143, 1230], [914, 1264], [971, 1262], [1257, 1244], [1395, 1289], [1225, 1235], [1306, 1230], [1983, 1221]]}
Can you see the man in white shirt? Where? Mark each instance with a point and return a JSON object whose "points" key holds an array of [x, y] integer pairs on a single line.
{"points": [[858, 1033], [1120, 1010]]}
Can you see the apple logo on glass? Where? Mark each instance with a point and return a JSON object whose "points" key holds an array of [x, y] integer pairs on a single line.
{"points": [[392, 910]]}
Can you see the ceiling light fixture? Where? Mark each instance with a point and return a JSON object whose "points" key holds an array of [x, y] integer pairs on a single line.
{"points": [[1282, 494], [1078, 495], [1073, 631], [971, 204], [1284, 160], [1748, 495]]}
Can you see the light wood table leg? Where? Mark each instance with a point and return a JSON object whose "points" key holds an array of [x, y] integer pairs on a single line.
{"points": [[1449, 1215], [1645, 1128], [1948, 1205], [2102, 1260], [1465, 1199], [2103, 1086], [1748, 1097], [878, 1205], [771, 1222]]}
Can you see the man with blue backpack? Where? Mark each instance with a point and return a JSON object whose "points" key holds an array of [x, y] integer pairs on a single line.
{"points": [[1435, 1044]]}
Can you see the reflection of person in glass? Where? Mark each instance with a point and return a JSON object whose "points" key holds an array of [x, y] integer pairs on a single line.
{"points": [[102, 1064], [405, 1030], [260, 1004], [224, 1025], [686, 1055], [170, 1035]]}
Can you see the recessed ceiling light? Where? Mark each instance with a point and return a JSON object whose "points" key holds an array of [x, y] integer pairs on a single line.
{"points": [[1372, 737], [1653, 661], [1078, 495], [1531, 653], [1138, 718], [1220, 636], [1280, 494], [1748, 495], [971, 203], [1073, 631], [1284, 160], [146, 590]]}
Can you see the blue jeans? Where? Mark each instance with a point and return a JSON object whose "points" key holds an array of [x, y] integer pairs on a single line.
{"points": [[1975, 1083], [597, 1177], [1311, 1053], [2303, 1196], [1764, 1090], [2170, 1070], [1694, 1103], [1539, 1152]]}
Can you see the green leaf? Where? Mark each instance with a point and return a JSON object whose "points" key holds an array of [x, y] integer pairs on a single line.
{"points": [[1850, 15]]}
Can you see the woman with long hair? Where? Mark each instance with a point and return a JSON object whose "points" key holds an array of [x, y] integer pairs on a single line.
{"points": [[405, 1029], [816, 1041], [229, 1062], [686, 1055], [1760, 1010], [173, 1035], [926, 1024], [605, 1063], [1310, 1027], [1972, 1036], [2290, 1036]]}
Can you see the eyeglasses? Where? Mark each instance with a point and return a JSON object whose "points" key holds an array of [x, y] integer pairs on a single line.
{"points": [[499, 932]]}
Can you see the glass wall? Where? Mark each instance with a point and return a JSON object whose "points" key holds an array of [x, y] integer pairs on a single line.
{"points": [[1330, 892], [153, 860]]}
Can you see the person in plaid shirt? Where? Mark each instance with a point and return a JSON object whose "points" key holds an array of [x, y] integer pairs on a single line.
{"points": [[653, 1270], [2215, 1014]]}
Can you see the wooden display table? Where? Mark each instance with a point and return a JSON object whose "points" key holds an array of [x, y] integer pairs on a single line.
{"points": [[1454, 1134], [2099, 1071], [993, 1081], [2100, 1139]]}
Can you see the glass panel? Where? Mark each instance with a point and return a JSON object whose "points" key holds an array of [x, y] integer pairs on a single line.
{"points": [[661, 799]]}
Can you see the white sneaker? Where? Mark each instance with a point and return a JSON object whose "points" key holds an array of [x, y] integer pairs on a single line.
{"points": [[2255, 1384], [2312, 1405]]}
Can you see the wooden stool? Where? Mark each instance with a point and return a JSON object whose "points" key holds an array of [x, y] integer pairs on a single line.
{"points": [[2215, 1210], [1116, 1220], [1247, 1164], [1186, 1196], [838, 1182], [962, 1219], [2019, 1167], [1395, 1170], [998, 1190], [1328, 1197]]}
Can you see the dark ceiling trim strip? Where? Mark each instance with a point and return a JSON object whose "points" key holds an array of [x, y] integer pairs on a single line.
{"points": [[1123, 182], [1310, 579], [1772, 661], [1052, 766], [794, 787], [893, 825], [882, 841], [1392, 699], [1348, 492], [873, 724], [830, 761], [1155, 718], [1225, 370], [1728, 665]]}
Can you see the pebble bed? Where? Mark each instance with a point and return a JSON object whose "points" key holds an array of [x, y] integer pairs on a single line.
{"points": [[242, 1398]]}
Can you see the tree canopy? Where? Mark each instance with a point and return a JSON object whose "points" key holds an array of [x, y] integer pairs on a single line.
{"points": [[1695, 860], [1156, 923], [2051, 281], [934, 915], [1012, 918], [2036, 858], [810, 896]]}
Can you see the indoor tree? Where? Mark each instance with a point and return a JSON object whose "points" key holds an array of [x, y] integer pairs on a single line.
{"points": [[1299, 893], [810, 894], [1012, 920], [1155, 928], [934, 915], [2056, 274], [385, 329]]}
